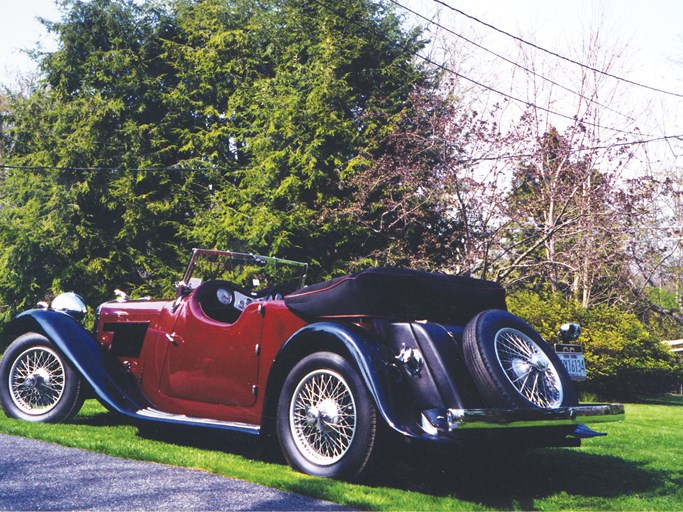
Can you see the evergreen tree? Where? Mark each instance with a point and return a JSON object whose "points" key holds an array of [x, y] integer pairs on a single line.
{"points": [[221, 123], [326, 84]]}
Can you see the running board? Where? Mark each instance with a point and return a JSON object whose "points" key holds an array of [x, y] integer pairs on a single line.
{"points": [[158, 416]]}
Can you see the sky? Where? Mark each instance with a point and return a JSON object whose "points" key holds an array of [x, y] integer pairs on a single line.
{"points": [[654, 28], [648, 37], [20, 30], [651, 29], [651, 33]]}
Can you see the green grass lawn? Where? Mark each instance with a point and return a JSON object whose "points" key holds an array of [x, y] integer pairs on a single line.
{"points": [[638, 466]]}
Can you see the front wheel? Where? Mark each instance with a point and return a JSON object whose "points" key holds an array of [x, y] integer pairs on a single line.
{"points": [[326, 421], [36, 382]]}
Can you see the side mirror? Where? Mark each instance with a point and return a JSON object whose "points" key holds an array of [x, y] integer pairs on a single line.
{"points": [[569, 332], [182, 290]]}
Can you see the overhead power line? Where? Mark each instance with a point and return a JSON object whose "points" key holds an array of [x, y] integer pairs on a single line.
{"points": [[574, 119], [640, 141], [510, 156], [445, 68], [509, 61], [559, 56], [106, 169], [516, 156]]}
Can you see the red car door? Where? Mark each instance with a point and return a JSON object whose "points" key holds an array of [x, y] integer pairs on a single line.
{"points": [[211, 361]]}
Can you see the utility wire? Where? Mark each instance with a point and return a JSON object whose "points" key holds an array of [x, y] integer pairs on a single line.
{"points": [[107, 169], [574, 119], [492, 89], [443, 67], [559, 56], [509, 61], [516, 156], [510, 156], [640, 141]]}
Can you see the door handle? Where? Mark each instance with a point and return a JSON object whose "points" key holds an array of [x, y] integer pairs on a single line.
{"points": [[174, 338]]}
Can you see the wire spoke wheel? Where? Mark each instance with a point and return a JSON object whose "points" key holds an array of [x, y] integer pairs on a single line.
{"points": [[323, 417], [326, 420], [528, 368], [37, 383], [513, 366], [36, 380]]}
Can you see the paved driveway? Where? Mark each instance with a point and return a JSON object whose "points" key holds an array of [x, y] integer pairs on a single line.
{"points": [[35, 475]]}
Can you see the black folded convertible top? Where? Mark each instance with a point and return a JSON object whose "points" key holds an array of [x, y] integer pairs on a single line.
{"points": [[398, 293]]}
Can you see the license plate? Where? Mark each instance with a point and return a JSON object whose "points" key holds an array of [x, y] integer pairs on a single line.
{"points": [[573, 360]]}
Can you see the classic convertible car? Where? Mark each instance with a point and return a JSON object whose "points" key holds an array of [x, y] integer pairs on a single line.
{"points": [[244, 346]]}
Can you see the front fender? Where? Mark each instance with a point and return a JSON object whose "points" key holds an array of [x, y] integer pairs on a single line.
{"points": [[363, 350], [104, 374]]}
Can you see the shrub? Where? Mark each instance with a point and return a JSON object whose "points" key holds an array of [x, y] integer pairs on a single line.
{"points": [[624, 360]]}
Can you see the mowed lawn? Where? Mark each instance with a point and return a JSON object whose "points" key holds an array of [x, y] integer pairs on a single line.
{"points": [[638, 466]]}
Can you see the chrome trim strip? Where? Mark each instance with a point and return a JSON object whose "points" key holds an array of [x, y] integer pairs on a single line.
{"points": [[446, 420]]}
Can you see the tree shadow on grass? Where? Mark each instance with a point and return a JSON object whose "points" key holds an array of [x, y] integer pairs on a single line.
{"points": [[507, 480], [499, 479], [246, 445], [206, 438], [100, 419], [502, 479]]}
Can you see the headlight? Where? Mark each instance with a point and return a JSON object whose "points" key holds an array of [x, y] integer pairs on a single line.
{"points": [[71, 304]]}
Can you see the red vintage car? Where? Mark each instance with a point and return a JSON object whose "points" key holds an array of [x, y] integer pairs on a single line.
{"points": [[244, 346]]}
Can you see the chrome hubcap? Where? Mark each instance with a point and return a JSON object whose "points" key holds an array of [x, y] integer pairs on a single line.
{"points": [[36, 381], [323, 417], [528, 368]]}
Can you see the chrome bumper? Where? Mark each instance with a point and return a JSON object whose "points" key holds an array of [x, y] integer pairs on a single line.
{"points": [[435, 421]]}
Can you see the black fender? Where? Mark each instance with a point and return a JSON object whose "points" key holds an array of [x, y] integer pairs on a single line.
{"points": [[364, 351], [102, 372]]}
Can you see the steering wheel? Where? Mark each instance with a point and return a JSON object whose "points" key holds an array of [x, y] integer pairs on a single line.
{"points": [[217, 301]]}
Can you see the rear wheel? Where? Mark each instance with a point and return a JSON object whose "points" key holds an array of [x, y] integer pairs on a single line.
{"points": [[326, 420], [512, 365], [36, 382]]}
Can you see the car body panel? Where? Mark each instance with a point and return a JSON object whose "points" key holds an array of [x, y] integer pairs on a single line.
{"points": [[210, 361], [191, 364]]}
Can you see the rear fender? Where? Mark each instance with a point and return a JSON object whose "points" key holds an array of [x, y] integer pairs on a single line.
{"points": [[115, 388], [351, 341]]}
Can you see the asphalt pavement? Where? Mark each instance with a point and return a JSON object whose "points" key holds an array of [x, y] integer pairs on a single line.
{"points": [[36, 475]]}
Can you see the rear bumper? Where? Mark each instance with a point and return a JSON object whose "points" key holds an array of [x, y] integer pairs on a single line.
{"points": [[436, 421]]}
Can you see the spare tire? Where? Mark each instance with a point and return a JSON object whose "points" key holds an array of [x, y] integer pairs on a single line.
{"points": [[512, 365]]}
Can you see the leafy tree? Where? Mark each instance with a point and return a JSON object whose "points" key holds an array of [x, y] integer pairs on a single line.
{"points": [[398, 198]]}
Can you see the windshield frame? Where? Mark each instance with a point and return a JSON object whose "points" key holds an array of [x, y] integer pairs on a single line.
{"points": [[244, 258]]}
